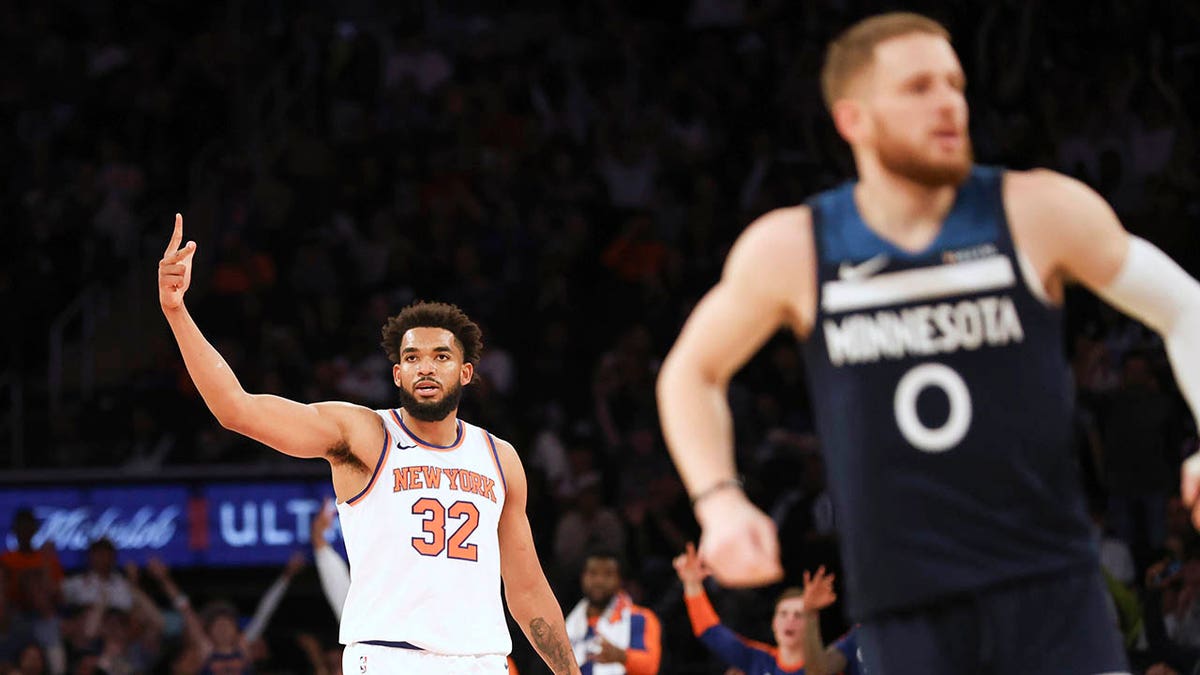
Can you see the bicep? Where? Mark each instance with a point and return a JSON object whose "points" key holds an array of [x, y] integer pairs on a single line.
{"points": [[767, 278], [725, 329], [296, 429], [1082, 233], [519, 563]]}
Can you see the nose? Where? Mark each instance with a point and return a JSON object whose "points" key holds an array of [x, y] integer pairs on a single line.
{"points": [[950, 100]]}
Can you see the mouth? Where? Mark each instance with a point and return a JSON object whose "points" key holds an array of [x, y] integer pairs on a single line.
{"points": [[948, 138], [427, 388]]}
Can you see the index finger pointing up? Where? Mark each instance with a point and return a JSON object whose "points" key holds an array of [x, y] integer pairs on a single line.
{"points": [[176, 236]]}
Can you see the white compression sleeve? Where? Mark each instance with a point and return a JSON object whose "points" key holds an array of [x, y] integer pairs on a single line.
{"points": [[334, 573], [1155, 290]]}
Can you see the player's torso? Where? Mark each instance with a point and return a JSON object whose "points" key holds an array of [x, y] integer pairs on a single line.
{"points": [[423, 545], [944, 405]]}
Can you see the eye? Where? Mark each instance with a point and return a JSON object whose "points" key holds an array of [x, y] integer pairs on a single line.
{"points": [[410, 358], [443, 357]]}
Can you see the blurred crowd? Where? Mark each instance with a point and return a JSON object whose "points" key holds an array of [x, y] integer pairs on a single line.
{"points": [[571, 175]]}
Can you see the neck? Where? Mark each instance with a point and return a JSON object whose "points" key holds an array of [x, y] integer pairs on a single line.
{"points": [[900, 210], [789, 654], [441, 432], [596, 610]]}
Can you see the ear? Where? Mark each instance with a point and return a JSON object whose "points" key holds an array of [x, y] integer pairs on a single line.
{"points": [[396, 374], [851, 119], [466, 374]]}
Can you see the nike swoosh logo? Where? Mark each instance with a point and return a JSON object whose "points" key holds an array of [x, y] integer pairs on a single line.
{"points": [[864, 269], [405, 447]]}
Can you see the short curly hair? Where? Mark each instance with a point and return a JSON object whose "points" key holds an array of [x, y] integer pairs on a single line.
{"points": [[423, 314]]}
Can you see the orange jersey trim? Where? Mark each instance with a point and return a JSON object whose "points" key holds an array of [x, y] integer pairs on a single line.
{"points": [[496, 460], [425, 444], [645, 661]]}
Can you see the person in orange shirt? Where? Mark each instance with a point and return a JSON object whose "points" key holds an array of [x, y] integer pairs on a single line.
{"points": [[23, 563], [609, 634], [798, 649]]}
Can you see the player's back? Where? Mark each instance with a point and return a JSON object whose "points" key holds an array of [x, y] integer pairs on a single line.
{"points": [[944, 405], [423, 546]]}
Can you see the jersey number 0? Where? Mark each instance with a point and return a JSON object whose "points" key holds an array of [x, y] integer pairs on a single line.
{"points": [[957, 422]]}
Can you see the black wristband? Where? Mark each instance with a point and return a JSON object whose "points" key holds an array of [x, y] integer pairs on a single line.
{"points": [[715, 488]]}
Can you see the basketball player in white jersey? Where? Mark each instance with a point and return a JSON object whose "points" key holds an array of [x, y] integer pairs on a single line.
{"points": [[432, 508]]}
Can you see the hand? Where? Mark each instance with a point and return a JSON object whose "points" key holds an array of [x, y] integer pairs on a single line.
{"points": [[157, 569], [294, 565], [689, 566], [321, 523], [738, 541], [609, 653], [175, 269], [818, 590]]}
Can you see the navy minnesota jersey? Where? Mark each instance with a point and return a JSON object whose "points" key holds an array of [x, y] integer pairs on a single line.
{"points": [[943, 400]]}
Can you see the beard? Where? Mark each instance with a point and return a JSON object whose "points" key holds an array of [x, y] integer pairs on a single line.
{"points": [[432, 411], [908, 161]]}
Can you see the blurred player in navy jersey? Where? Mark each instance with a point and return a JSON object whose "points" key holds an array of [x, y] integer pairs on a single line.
{"points": [[927, 294]]}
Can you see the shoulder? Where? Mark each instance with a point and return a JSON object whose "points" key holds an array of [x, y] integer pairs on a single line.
{"points": [[777, 234], [508, 457], [642, 611], [774, 253], [503, 447], [1048, 192], [348, 413]]}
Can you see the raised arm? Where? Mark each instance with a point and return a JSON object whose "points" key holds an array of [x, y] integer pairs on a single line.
{"points": [[270, 600], [332, 569], [1079, 238], [530, 600], [721, 640], [193, 629], [767, 279], [818, 594], [292, 428]]}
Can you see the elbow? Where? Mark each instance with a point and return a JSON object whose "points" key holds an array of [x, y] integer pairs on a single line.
{"points": [[676, 377], [233, 414]]}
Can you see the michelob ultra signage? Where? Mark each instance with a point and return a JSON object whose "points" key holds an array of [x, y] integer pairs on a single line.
{"points": [[185, 524]]}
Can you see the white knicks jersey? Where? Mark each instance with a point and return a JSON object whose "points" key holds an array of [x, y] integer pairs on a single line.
{"points": [[423, 545]]}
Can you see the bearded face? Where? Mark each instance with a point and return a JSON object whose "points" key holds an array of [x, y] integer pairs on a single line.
{"points": [[430, 375], [430, 408], [913, 111], [936, 157]]}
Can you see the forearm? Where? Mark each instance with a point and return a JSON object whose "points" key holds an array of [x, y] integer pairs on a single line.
{"points": [[698, 426], [266, 608], [216, 382], [814, 647], [540, 618]]}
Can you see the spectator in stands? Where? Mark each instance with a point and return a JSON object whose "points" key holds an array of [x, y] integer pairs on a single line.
{"points": [[606, 628], [100, 581], [213, 635], [25, 561], [795, 625]]}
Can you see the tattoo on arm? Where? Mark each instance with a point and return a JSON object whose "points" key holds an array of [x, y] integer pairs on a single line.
{"points": [[557, 653]]}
